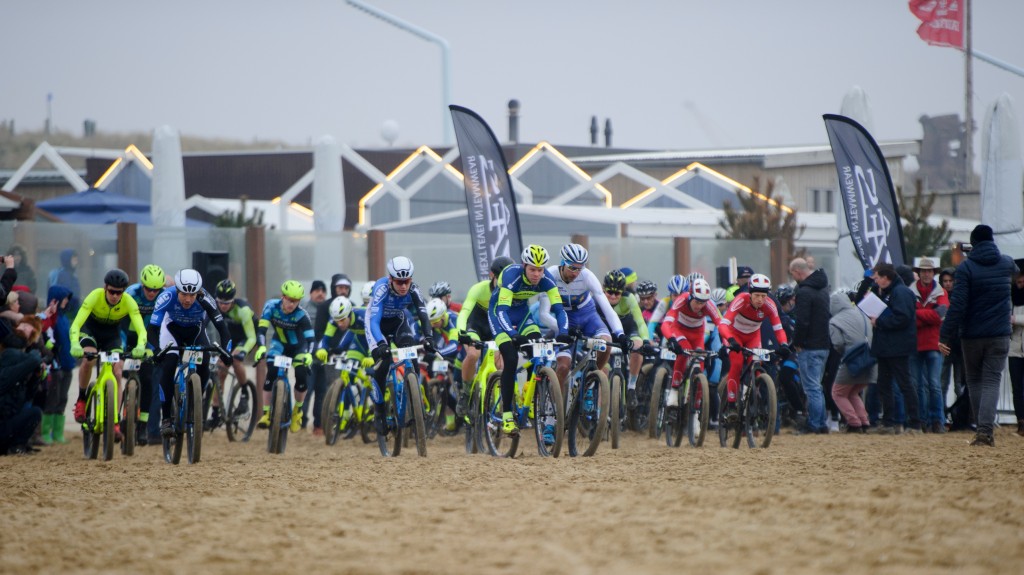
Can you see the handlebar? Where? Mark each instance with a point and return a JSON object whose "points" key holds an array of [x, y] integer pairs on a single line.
{"points": [[200, 348]]}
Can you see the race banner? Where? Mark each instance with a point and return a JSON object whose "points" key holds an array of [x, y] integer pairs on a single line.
{"points": [[490, 201], [942, 21], [869, 197]]}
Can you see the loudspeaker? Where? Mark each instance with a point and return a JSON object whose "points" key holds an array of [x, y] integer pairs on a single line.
{"points": [[213, 266], [722, 277]]}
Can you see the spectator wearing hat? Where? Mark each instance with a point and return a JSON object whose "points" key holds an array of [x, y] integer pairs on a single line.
{"points": [[340, 285], [26, 275], [631, 279], [926, 364], [743, 274], [894, 341], [979, 310]]}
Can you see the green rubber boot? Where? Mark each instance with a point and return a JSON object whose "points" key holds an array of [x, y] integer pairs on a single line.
{"points": [[57, 426], [47, 429]]}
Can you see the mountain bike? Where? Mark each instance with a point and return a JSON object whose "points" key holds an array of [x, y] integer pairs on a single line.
{"points": [[439, 394], [618, 413], [101, 413], [486, 371], [280, 405], [238, 413], [130, 400], [187, 403], [347, 408], [756, 403], [587, 397], [660, 383], [639, 416], [693, 413], [403, 404], [537, 404]]}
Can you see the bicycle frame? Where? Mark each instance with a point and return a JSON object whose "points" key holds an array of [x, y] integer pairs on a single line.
{"points": [[101, 403], [751, 377]]}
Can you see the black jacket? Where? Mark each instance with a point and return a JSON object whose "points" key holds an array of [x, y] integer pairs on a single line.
{"points": [[979, 306], [811, 313], [895, 332], [16, 368]]}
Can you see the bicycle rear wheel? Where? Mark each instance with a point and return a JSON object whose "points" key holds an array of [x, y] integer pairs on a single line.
{"points": [[498, 444], [90, 439], [109, 417], [697, 411], [391, 444], [419, 416], [639, 415], [656, 411], [724, 428], [473, 418], [129, 416], [549, 413], [194, 418], [240, 412], [615, 407], [589, 415], [331, 415], [759, 421], [274, 438]]}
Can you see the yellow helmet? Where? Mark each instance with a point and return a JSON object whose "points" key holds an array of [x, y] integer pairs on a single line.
{"points": [[535, 255], [292, 289], [152, 277]]}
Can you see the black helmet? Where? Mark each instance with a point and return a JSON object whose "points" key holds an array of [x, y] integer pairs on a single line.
{"points": [[500, 263], [784, 293], [615, 280], [116, 278], [225, 290]]}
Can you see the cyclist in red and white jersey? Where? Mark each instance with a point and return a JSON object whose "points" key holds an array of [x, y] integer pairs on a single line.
{"points": [[684, 327], [741, 326]]}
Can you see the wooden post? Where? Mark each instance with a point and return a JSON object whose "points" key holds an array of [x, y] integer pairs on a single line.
{"points": [[376, 260], [128, 249], [780, 256], [256, 266], [581, 239], [682, 251]]}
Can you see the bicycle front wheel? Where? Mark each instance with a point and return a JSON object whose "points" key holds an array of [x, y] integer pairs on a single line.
{"points": [[277, 405], [91, 439], [390, 444], [639, 415], [194, 418], [109, 419], [759, 420], [172, 443], [615, 408], [129, 416], [240, 412], [549, 413], [473, 418], [498, 444], [697, 411], [419, 417], [589, 417], [331, 415], [656, 413]]}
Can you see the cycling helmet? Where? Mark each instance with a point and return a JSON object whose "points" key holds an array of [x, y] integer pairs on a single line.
{"points": [[718, 296], [400, 267], [574, 254], [615, 280], [700, 290], [646, 288], [440, 289], [784, 293], [292, 289], [500, 263], [225, 290], [677, 284], [366, 292], [116, 278], [152, 277], [535, 255], [759, 283], [694, 277], [436, 309], [188, 281], [340, 308]]}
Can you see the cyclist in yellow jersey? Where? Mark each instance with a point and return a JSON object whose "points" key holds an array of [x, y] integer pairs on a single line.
{"points": [[472, 325], [97, 328]]}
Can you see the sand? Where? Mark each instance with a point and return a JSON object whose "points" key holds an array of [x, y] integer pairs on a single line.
{"points": [[809, 504]]}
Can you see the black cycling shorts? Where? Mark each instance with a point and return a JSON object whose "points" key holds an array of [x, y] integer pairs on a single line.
{"points": [[102, 336]]}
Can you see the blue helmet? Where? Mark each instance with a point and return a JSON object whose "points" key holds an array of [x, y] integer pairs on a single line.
{"points": [[678, 284]]}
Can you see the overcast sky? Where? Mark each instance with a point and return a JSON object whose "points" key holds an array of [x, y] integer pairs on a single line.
{"points": [[671, 74]]}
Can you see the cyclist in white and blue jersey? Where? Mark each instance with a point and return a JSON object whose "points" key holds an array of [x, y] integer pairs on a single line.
{"points": [[178, 319], [387, 322], [292, 336]]}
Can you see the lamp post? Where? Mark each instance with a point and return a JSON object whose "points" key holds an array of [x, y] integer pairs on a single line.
{"points": [[397, 22]]}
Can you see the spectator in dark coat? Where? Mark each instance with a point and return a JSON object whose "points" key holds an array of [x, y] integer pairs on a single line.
{"points": [[66, 276], [26, 275], [895, 339], [979, 310], [811, 339], [18, 368]]}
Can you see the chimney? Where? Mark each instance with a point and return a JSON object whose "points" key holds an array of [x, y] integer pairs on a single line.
{"points": [[593, 130], [513, 121], [608, 133]]}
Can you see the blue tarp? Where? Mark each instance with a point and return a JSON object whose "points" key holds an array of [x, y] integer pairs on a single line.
{"points": [[95, 206]]}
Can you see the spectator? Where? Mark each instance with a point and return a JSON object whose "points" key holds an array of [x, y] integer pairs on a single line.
{"points": [[66, 276], [952, 364], [1017, 350], [848, 328], [810, 338], [926, 364], [340, 285], [979, 310], [18, 418], [895, 339], [10, 312], [743, 274], [57, 327], [7, 279], [26, 275], [317, 309]]}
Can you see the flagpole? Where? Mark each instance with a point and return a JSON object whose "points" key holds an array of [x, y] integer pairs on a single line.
{"points": [[968, 140]]}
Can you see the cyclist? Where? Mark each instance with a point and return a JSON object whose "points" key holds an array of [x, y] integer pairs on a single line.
{"points": [[582, 295], [647, 296], [473, 325], [446, 341], [340, 311], [684, 327], [97, 328], [443, 291], [508, 313], [292, 336], [741, 326], [387, 321], [628, 309], [677, 285], [718, 297], [238, 316], [179, 318], [151, 283], [365, 293]]}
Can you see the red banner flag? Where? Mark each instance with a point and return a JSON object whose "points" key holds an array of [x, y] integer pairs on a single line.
{"points": [[942, 21]]}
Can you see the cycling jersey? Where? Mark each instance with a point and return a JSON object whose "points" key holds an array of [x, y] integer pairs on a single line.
{"points": [[688, 328], [292, 330], [742, 317], [352, 339], [509, 304], [446, 338], [241, 327], [95, 309], [474, 309], [146, 307], [658, 315], [387, 305], [629, 308], [581, 298], [172, 322]]}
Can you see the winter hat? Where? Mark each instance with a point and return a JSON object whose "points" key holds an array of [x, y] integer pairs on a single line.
{"points": [[981, 233]]}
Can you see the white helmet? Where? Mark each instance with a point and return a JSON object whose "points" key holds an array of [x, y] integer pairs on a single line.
{"points": [[760, 283], [718, 296], [436, 309], [700, 290], [574, 254], [188, 281], [340, 308], [400, 267], [366, 292]]}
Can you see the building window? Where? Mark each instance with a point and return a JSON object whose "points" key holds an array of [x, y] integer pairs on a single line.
{"points": [[822, 201]]}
